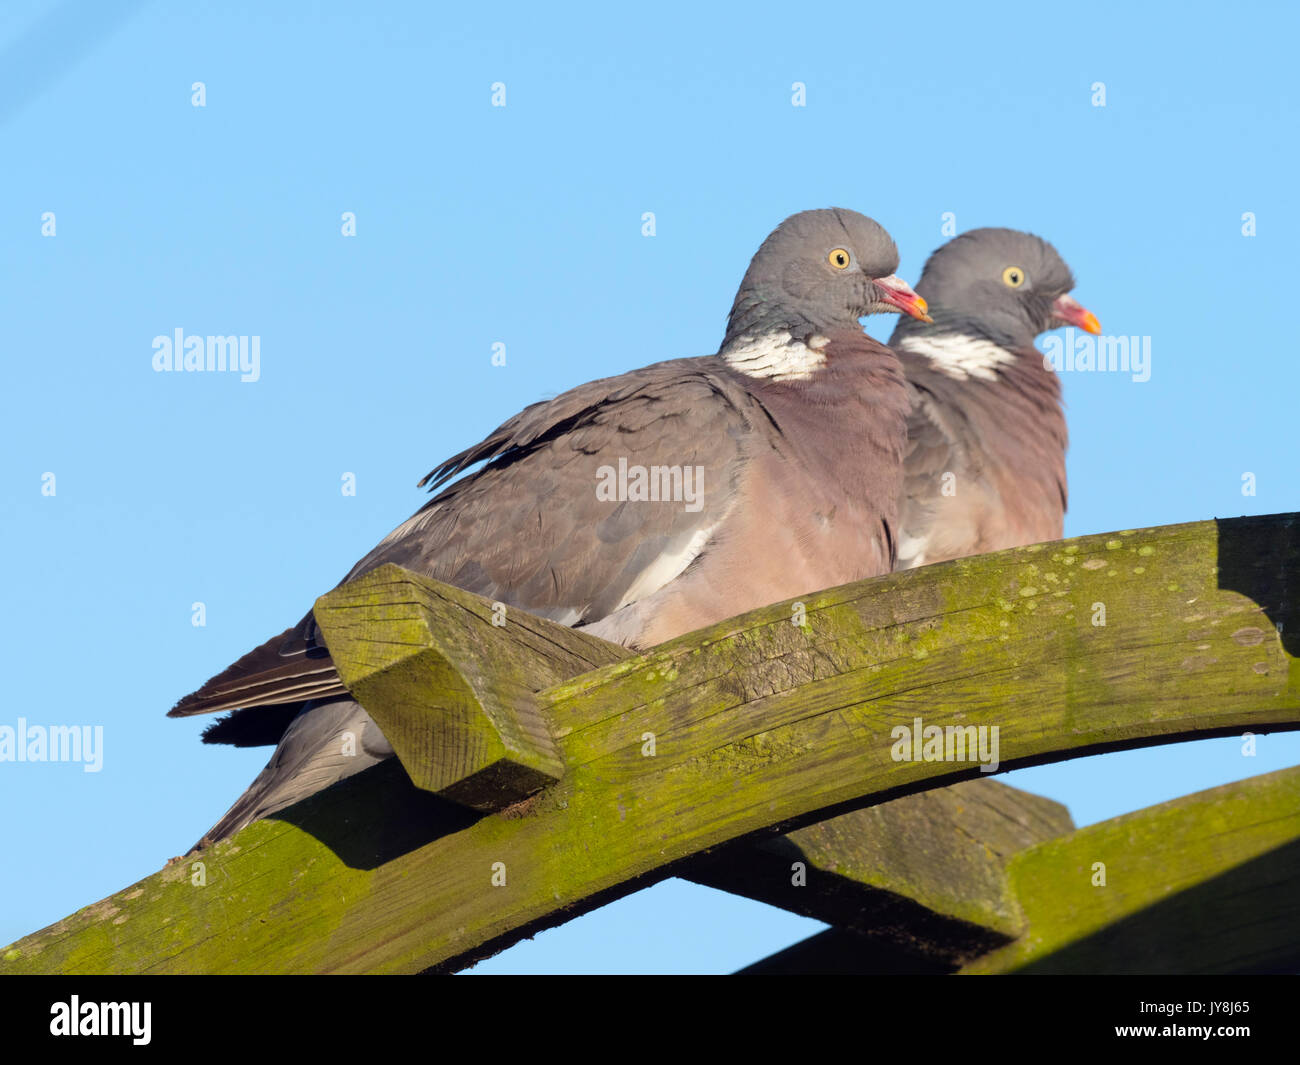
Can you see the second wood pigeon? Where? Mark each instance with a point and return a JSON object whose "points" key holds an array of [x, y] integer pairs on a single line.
{"points": [[985, 468]]}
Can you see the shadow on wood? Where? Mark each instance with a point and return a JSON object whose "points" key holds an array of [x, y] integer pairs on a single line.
{"points": [[1207, 883], [840, 952], [1241, 921], [923, 876], [376, 816], [1260, 558]]}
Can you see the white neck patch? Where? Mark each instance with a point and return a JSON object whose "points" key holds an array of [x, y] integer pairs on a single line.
{"points": [[958, 355], [777, 356]]}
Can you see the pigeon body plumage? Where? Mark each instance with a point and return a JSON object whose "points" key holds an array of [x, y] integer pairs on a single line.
{"points": [[985, 468], [784, 452]]}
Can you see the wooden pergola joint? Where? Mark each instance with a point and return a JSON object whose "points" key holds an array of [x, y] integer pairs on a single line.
{"points": [[452, 679]]}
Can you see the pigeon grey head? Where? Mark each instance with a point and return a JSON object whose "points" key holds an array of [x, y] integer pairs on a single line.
{"points": [[820, 271], [997, 284]]}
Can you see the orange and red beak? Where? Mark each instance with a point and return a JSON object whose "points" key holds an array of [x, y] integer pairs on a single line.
{"points": [[1068, 311], [898, 293]]}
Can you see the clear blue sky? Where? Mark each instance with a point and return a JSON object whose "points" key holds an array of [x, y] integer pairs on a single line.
{"points": [[522, 225]]}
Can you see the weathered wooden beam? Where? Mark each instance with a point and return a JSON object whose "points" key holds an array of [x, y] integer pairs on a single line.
{"points": [[455, 692], [752, 726], [456, 695], [451, 680], [1205, 883], [923, 876], [1208, 883]]}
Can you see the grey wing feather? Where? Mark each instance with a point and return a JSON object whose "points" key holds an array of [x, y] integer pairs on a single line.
{"points": [[932, 450], [325, 743], [1004, 446], [503, 532], [528, 528]]}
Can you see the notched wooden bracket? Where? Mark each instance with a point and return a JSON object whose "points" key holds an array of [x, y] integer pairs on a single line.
{"points": [[451, 681]]}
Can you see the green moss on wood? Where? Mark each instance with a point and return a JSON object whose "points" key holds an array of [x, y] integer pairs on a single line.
{"points": [[451, 681], [1205, 883]]}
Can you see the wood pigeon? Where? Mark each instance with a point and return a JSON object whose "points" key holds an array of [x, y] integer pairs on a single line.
{"points": [[985, 468], [640, 506]]}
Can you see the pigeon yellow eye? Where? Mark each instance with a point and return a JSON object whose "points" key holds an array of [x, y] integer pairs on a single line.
{"points": [[1013, 277], [839, 258]]}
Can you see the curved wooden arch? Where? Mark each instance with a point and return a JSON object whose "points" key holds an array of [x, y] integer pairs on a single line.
{"points": [[754, 726]]}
